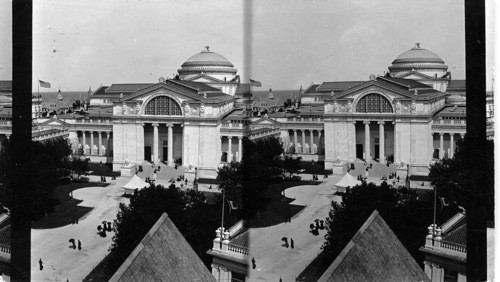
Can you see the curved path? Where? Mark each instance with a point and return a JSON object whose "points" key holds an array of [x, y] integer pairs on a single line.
{"points": [[51, 245], [275, 261]]}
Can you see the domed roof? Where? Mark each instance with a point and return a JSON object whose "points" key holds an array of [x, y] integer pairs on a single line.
{"points": [[207, 58], [455, 99], [418, 55]]}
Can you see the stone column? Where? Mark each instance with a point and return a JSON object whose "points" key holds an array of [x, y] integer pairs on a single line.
{"points": [[441, 147], [154, 159], [99, 149], [381, 142], [367, 140], [170, 145], [452, 145], [295, 138], [312, 141], [320, 147], [229, 149], [240, 148], [303, 141], [108, 151], [83, 142], [91, 142]]}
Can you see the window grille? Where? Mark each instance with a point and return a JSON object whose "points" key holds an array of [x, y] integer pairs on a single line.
{"points": [[373, 103], [164, 106]]}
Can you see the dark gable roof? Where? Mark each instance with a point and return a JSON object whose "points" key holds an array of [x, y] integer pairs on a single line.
{"points": [[456, 84], [374, 254], [243, 88], [337, 85], [163, 255], [457, 233], [190, 89], [408, 83], [100, 91], [5, 85], [199, 86], [311, 88], [127, 88]]}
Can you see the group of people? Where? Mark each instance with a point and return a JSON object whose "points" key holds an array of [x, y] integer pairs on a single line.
{"points": [[315, 227], [315, 177], [101, 229], [72, 241], [103, 179], [286, 245]]}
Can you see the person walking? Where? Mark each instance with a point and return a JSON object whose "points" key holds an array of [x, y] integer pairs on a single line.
{"points": [[291, 243], [41, 264], [253, 263], [79, 245]]}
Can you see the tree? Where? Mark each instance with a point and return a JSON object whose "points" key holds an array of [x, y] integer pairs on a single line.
{"points": [[230, 178], [79, 165], [49, 160], [291, 165], [407, 216], [452, 177], [195, 219]]}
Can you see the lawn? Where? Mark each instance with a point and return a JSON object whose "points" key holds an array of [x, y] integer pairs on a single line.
{"points": [[67, 210]]}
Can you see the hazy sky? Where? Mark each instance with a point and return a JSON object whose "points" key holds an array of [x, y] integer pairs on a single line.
{"points": [[293, 42]]}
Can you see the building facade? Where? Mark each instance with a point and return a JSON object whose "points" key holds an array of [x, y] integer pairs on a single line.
{"points": [[412, 115]]}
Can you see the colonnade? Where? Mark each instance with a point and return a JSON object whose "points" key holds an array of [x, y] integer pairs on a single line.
{"points": [[451, 147], [307, 147], [170, 140], [230, 146], [100, 149], [367, 147]]}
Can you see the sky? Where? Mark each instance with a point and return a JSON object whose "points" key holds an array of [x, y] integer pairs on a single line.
{"points": [[284, 44]]}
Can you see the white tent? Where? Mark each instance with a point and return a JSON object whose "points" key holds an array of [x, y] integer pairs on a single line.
{"points": [[347, 181], [135, 183]]}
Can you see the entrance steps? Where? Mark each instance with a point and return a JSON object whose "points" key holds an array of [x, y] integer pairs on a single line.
{"points": [[165, 172]]}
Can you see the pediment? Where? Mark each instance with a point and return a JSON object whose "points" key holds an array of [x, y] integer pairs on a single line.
{"points": [[204, 79], [178, 91], [390, 91], [54, 122], [264, 120], [415, 75]]}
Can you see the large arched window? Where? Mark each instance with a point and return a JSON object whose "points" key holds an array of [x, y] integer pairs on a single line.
{"points": [[164, 106], [373, 103]]}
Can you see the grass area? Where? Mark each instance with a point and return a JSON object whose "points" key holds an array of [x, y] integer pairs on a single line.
{"points": [[102, 169], [315, 168], [67, 209], [208, 181]]}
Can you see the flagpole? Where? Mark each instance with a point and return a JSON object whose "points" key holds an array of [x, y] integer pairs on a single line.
{"points": [[434, 225]]}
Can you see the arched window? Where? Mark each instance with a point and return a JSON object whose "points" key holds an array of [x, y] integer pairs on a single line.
{"points": [[164, 106], [373, 103]]}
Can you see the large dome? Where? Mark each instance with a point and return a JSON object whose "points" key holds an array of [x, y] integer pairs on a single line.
{"points": [[418, 59], [207, 58], [418, 55]]}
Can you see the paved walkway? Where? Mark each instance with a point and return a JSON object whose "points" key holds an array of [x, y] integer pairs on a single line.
{"points": [[52, 246], [275, 261]]}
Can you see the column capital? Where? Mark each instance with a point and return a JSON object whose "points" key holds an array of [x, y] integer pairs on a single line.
{"points": [[169, 124], [155, 124], [441, 133], [240, 137], [451, 134], [366, 122], [381, 122]]}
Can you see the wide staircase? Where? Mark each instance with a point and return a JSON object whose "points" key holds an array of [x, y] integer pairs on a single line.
{"points": [[165, 172], [377, 170]]}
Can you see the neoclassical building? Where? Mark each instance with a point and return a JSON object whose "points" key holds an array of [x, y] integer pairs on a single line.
{"points": [[412, 115]]}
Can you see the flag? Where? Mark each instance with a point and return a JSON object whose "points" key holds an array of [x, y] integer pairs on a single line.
{"points": [[255, 83], [44, 84]]}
